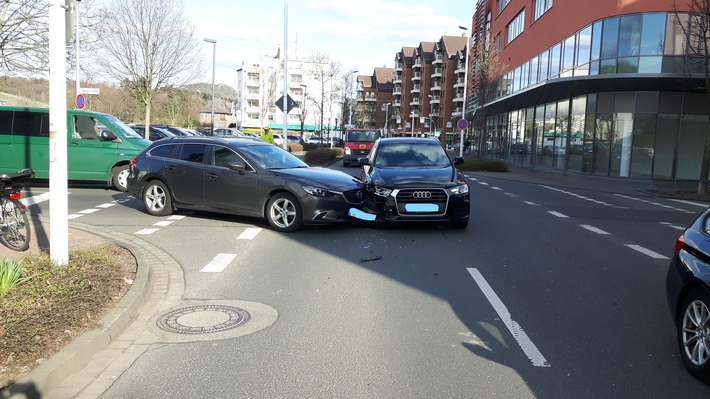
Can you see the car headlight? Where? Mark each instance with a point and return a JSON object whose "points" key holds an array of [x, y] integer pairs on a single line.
{"points": [[348, 151], [382, 191], [460, 189], [317, 191]]}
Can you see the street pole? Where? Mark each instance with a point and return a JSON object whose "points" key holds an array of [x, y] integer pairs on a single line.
{"points": [[387, 111], [303, 107], [241, 97], [214, 55], [412, 115], [350, 117], [465, 84], [284, 134]]}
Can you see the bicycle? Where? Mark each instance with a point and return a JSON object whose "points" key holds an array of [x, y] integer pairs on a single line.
{"points": [[14, 223]]}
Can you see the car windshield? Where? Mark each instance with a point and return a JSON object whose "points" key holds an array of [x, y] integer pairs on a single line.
{"points": [[125, 129], [362, 136], [269, 156], [411, 155]]}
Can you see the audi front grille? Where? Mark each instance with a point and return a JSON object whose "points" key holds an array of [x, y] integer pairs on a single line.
{"points": [[438, 197]]}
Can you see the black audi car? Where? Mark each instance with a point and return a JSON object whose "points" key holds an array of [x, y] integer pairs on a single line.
{"points": [[688, 293], [414, 180], [241, 176]]}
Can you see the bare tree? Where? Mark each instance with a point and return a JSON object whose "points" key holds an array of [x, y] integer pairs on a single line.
{"points": [[149, 44], [268, 81], [695, 25], [24, 37], [303, 109], [323, 70]]}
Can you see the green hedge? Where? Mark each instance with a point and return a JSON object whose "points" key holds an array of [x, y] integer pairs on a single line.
{"points": [[483, 165], [322, 156]]}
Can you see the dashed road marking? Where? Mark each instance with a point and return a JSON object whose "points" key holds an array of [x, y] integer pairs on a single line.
{"points": [[35, 199], [89, 211], [646, 251], [671, 225], [530, 203], [146, 231], [654, 203], [219, 263], [700, 204], [526, 344], [497, 188], [559, 215], [249, 233], [163, 223], [594, 229], [176, 217], [107, 205], [578, 196], [483, 183], [512, 195]]}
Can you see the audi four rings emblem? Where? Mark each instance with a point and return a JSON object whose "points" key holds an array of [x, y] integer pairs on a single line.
{"points": [[421, 194]]}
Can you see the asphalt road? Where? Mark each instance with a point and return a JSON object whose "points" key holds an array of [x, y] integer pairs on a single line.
{"points": [[549, 293]]}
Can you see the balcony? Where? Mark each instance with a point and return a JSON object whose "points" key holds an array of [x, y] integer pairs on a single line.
{"points": [[417, 76], [460, 82], [370, 97], [436, 73], [414, 102], [253, 83], [438, 59], [396, 103], [436, 85], [435, 99], [417, 62], [416, 88], [398, 67], [397, 90], [434, 113], [458, 97], [456, 112], [460, 68], [397, 78]]}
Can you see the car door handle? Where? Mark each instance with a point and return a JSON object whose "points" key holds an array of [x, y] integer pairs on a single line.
{"points": [[212, 175], [170, 167]]}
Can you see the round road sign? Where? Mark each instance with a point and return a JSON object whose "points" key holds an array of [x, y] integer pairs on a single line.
{"points": [[80, 101], [462, 124]]}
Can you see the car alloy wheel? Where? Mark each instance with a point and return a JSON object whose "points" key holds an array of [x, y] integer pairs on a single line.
{"points": [[157, 198], [694, 334], [284, 213], [120, 177]]}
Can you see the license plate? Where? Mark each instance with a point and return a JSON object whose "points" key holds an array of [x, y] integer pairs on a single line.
{"points": [[421, 207]]}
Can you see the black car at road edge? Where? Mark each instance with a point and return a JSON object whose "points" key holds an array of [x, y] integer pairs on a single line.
{"points": [[241, 176], [688, 293], [412, 179]]}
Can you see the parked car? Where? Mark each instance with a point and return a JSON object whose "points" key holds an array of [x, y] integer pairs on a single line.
{"points": [[316, 140], [241, 176], [156, 133], [178, 131], [688, 293], [228, 131], [414, 180]]}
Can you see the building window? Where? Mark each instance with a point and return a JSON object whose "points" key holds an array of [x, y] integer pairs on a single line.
{"points": [[516, 26], [497, 43], [502, 4], [541, 7]]}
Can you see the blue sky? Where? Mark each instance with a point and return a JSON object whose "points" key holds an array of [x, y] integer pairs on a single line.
{"points": [[360, 34]]}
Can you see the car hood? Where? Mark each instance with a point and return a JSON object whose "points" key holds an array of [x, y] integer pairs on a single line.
{"points": [[403, 177], [323, 177]]}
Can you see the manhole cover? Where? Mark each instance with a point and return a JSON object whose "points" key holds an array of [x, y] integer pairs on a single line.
{"points": [[203, 319]]}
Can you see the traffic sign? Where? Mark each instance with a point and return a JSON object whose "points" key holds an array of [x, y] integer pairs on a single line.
{"points": [[80, 101], [462, 124], [89, 90], [289, 103]]}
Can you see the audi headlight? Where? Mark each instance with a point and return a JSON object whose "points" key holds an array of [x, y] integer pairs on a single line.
{"points": [[317, 191], [382, 191], [460, 189]]}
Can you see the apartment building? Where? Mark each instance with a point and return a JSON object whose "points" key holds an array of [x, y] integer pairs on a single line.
{"points": [[261, 85], [374, 98], [606, 87]]}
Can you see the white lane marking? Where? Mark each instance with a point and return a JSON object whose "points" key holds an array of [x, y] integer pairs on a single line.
{"points": [[530, 203], [700, 204], [146, 231], [594, 229], [483, 183], [511, 195], [35, 199], [471, 178], [647, 252], [74, 216], [249, 233], [497, 188], [219, 263], [577, 196], [537, 359], [176, 217], [163, 223], [671, 225], [559, 215], [653, 203], [104, 206], [88, 211]]}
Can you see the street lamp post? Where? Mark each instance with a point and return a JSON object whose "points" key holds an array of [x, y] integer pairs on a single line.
{"points": [[350, 116], [465, 83], [214, 54], [241, 98], [303, 107], [387, 111], [412, 115]]}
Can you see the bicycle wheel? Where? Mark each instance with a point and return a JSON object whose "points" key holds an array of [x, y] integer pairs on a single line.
{"points": [[15, 227]]}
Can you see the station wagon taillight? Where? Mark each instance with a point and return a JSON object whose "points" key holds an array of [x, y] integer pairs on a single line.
{"points": [[679, 244]]}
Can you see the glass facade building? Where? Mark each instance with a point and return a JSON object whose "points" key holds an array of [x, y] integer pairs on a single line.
{"points": [[620, 97]]}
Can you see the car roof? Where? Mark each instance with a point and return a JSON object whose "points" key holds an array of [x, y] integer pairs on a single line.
{"points": [[409, 140], [234, 141]]}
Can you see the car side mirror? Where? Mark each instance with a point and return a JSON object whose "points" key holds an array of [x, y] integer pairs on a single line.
{"points": [[363, 161], [107, 135], [458, 160], [239, 166]]}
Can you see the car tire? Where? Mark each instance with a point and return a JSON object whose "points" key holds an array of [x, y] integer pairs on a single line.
{"points": [[283, 212], [156, 198], [120, 177], [693, 336], [460, 224]]}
